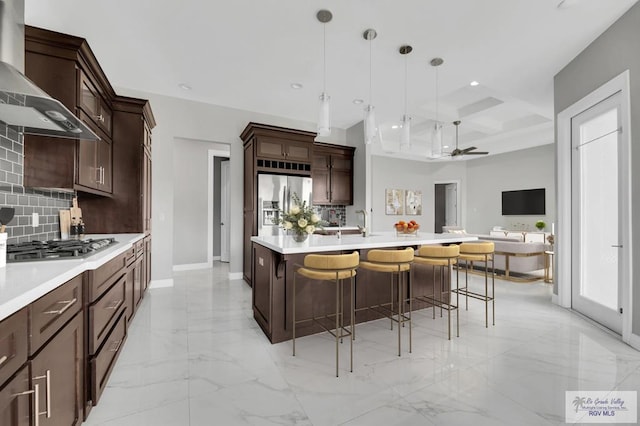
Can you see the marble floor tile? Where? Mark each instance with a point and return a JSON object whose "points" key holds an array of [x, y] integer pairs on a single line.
{"points": [[195, 356]]}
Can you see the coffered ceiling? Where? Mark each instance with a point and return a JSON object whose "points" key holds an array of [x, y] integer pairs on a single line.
{"points": [[246, 54]]}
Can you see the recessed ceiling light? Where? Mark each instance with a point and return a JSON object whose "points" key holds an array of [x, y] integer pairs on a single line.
{"points": [[445, 146], [184, 86], [296, 86], [358, 101], [474, 83], [395, 126]]}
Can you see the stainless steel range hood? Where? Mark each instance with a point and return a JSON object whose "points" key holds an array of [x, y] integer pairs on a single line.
{"points": [[22, 103]]}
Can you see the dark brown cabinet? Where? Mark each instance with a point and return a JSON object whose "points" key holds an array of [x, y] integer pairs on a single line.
{"points": [[128, 210], [57, 370], [269, 149], [118, 166], [332, 173], [15, 400], [109, 294], [276, 148], [65, 67]]}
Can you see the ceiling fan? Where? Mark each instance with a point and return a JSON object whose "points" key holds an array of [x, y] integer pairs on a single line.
{"points": [[467, 151]]}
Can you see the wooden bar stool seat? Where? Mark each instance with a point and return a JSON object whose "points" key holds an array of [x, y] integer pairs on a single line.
{"points": [[481, 251], [395, 263], [330, 268], [440, 257]]}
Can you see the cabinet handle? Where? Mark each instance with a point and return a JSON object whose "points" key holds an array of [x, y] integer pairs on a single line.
{"points": [[69, 303], [36, 401], [3, 359], [100, 118], [101, 175], [115, 305], [116, 346], [47, 390]]}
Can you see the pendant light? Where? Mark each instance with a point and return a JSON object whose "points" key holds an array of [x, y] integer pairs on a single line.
{"points": [[436, 131], [405, 123], [324, 117], [370, 128]]}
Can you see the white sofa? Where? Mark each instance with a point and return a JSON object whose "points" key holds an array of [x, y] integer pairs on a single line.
{"points": [[514, 258]]}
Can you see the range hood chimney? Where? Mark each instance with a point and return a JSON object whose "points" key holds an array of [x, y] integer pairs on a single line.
{"points": [[22, 103]]}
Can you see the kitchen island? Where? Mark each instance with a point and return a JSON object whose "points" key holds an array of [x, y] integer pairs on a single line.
{"points": [[274, 260]]}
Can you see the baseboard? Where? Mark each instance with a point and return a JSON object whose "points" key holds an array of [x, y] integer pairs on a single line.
{"points": [[634, 341], [161, 283], [235, 275], [554, 299], [216, 257], [192, 266]]}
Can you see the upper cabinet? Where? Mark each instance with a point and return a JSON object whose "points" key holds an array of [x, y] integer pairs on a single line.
{"points": [[278, 149], [65, 67], [332, 173]]}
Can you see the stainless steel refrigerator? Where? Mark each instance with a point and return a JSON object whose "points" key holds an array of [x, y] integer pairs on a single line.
{"points": [[274, 194]]}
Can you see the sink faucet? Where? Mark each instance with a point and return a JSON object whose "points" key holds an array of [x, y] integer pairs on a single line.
{"points": [[363, 229]]}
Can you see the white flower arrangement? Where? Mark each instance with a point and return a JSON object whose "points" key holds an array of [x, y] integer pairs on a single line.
{"points": [[301, 219]]}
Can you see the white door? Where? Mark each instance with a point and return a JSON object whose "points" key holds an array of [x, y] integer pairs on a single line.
{"points": [[225, 233], [597, 151]]}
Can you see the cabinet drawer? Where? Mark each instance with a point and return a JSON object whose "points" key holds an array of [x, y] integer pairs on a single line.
{"points": [[53, 310], [105, 359], [102, 278], [139, 246], [104, 312], [13, 344]]}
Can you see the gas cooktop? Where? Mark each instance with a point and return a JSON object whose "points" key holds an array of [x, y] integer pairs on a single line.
{"points": [[56, 249]]}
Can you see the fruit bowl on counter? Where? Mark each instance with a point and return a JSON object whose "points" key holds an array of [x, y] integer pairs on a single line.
{"points": [[407, 228]]}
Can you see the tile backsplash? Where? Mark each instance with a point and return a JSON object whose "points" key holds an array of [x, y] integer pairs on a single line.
{"points": [[326, 213], [26, 201]]}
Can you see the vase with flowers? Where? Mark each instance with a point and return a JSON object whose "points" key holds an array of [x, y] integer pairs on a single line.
{"points": [[300, 220]]}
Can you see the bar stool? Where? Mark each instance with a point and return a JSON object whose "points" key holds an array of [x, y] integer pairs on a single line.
{"points": [[394, 263], [440, 256], [481, 251], [332, 268]]}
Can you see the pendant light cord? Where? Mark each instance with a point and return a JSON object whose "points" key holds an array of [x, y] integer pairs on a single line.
{"points": [[437, 94], [324, 57], [405, 84], [370, 72]]}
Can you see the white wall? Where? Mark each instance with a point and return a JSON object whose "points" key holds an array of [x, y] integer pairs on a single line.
{"points": [[489, 176], [179, 118], [395, 173]]}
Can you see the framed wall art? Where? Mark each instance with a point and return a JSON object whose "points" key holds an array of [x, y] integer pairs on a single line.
{"points": [[394, 201], [413, 202]]}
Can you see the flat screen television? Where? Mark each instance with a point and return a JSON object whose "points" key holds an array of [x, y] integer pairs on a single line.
{"points": [[523, 202]]}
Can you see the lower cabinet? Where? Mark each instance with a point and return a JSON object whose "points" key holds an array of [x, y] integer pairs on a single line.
{"points": [[57, 377], [15, 400], [107, 315], [57, 353]]}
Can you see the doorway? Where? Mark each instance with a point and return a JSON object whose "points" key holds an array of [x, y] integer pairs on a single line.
{"points": [[225, 229], [445, 205], [594, 243]]}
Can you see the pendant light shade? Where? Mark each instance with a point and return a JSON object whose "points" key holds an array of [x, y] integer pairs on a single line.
{"points": [[436, 131], [371, 130], [405, 124], [324, 116], [436, 139], [405, 132]]}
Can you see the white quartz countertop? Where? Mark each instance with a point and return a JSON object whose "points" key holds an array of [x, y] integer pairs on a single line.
{"points": [[319, 243], [24, 282]]}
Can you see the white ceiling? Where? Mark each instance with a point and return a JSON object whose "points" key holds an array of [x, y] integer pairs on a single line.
{"points": [[246, 53]]}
